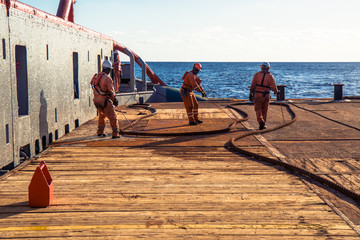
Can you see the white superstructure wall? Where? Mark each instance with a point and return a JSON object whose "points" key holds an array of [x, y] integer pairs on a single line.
{"points": [[45, 90]]}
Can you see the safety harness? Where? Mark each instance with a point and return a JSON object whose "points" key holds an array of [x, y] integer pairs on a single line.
{"points": [[95, 85], [189, 86], [95, 82], [184, 84], [262, 85]]}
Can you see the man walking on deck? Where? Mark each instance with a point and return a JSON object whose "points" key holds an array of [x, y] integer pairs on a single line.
{"points": [[192, 82], [261, 85], [105, 100]]}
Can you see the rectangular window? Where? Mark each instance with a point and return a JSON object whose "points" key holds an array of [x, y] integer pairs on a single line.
{"points": [[22, 80], [56, 134], [50, 138], [56, 118], [7, 134], [67, 128], [47, 51], [76, 123], [99, 63], [43, 142], [88, 56], [4, 48], [76, 74], [37, 146]]}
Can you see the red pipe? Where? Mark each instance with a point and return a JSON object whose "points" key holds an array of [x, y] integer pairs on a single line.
{"points": [[8, 3], [66, 10], [71, 13], [153, 77]]}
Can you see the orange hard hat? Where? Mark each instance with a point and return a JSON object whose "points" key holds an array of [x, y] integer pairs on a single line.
{"points": [[198, 66]]}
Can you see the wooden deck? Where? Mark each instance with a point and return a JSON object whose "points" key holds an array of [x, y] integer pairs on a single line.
{"points": [[185, 187]]}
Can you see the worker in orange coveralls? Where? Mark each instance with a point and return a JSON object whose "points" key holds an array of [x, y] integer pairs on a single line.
{"points": [[117, 70], [192, 82], [105, 99], [261, 85]]}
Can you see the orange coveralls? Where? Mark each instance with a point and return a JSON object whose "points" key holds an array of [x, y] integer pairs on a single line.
{"points": [[117, 73], [103, 93], [191, 82], [261, 86]]}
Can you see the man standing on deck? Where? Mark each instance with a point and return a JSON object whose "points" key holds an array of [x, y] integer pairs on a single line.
{"points": [[261, 85], [117, 70], [192, 82], [105, 100]]}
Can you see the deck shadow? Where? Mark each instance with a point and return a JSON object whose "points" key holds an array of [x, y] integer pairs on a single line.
{"points": [[14, 209]]}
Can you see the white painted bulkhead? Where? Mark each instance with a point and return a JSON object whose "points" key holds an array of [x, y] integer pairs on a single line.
{"points": [[53, 108]]}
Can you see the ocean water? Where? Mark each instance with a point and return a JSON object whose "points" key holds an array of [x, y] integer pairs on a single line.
{"points": [[232, 79]]}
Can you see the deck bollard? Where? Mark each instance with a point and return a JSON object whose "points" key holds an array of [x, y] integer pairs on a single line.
{"points": [[281, 95], [338, 91], [41, 187]]}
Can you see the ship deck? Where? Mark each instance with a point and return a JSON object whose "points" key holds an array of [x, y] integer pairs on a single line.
{"points": [[195, 187]]}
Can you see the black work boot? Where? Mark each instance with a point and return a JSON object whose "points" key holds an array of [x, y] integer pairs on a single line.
{"points": [[115, 133], [192, 123], [199, 121], [261, 125], [101, 135]]}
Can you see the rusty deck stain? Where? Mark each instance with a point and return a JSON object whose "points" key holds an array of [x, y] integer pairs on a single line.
{"points": [[189, 187]]}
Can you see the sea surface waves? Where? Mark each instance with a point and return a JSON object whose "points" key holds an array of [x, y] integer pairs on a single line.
{"points": [[232, 79]]}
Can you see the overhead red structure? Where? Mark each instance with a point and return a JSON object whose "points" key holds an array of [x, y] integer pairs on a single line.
{"points": [[153, 77], [66, 10]]}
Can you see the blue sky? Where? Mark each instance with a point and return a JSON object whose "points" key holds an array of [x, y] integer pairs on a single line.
{"points": [[227, 30]]}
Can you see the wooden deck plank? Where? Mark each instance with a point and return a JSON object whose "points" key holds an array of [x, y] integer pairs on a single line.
{"points": [[179, 232]]}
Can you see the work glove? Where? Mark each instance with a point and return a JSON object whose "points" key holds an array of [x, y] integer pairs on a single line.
{"points": [[251, 97], [203, 93], [116, 102]]}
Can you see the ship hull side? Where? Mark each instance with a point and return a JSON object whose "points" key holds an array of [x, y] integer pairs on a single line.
{"points": [[55, 90], [6, 125]]}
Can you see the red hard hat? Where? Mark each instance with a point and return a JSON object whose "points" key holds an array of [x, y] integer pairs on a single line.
{"points": [[198, 66]]}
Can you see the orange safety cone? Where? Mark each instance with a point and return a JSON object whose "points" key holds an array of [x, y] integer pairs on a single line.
{"points": [[41, 187]]}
